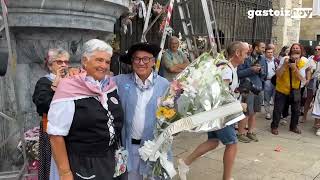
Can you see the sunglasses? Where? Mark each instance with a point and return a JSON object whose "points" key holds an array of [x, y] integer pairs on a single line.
{"points": [[145, 59], [60, 62], [317, 49]]}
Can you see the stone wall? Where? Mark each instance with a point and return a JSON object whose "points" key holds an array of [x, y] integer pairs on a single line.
{"points": [[310, 27], [286, 30]]}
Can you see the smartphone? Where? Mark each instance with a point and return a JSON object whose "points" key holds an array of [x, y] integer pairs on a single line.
{"points": [[65, 72]]}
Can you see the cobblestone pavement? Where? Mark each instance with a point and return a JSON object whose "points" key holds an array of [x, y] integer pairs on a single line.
{"points": [[299, 158]]}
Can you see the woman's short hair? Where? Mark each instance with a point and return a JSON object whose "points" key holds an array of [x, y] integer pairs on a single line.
{"points": [[53, 54], [95, 45]]}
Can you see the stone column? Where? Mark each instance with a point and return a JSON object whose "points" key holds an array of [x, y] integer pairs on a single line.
{"points": [[286, 30], [35, 27]]}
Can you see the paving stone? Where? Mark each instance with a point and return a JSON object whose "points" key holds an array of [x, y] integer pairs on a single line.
{"points": [[299, 158], [313, 171], [286, 175]]}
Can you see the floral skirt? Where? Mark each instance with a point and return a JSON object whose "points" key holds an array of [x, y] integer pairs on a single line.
{"points": [[44, 155]]}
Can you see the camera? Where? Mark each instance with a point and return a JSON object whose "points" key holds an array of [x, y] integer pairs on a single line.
{"points": [[246, 86], [292, 60]]}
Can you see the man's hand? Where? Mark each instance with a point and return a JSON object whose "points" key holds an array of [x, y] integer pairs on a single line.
{"points": [[256, 69], [306, 82], [293, 67], [244, 107], [286, 60]]}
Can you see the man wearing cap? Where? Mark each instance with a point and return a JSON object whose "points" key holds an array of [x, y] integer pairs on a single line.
{"points": [[139, 93]]}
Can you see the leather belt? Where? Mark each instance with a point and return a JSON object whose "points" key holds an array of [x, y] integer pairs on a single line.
{"points": [[136, 141]]}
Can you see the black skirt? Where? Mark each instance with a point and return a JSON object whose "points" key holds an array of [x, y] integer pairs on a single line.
{"points": [[44, 154], [96, 168]]}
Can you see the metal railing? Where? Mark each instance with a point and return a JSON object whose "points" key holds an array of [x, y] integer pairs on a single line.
{"points": [[20, 130]]}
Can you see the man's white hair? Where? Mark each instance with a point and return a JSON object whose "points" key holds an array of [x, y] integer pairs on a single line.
{"points": [[95, 45]]}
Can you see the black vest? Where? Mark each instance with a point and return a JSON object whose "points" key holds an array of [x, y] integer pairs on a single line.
{"points": [[89, 132]]}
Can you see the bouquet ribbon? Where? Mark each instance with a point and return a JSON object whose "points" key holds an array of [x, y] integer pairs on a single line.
{"points": [[150, 150]]}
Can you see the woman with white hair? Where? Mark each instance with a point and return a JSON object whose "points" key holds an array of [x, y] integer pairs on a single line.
{"points": [[85, 118], [56, 62]]}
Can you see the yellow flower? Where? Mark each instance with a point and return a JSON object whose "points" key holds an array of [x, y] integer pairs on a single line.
{"points": [[165, 112], [169, 113], [160, 112], [301, 63]]}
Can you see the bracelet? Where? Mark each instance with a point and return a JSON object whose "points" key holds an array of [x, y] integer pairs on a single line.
{"points": [[65, 172]]}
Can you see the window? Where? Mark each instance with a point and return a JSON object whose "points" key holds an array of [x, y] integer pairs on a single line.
{"points": [[318, 37]]}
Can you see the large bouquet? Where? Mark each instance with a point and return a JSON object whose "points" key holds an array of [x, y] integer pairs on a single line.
{"points": [[197, 100]]}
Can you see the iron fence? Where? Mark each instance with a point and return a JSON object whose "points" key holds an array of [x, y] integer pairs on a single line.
{"points": [[231, 17]]}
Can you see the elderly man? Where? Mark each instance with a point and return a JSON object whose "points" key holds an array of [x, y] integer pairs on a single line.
{"points": [[237, 52], [85, 118], [139, 93], [174, 60]]}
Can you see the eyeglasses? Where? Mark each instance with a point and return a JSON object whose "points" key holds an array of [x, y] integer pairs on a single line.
{"points": [[317, 49], [145, 59], [60, 62]]}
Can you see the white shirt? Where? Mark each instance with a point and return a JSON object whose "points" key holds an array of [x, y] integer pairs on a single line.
{"points": [[230, 73], [315, 67], [271, 68], [60, 115], [143, 98]]}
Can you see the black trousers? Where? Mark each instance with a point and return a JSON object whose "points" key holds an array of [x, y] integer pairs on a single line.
{"points": [[280, 100]]}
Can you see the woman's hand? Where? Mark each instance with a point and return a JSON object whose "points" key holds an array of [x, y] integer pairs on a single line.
{"points": [[74, 71], [60, 74]]}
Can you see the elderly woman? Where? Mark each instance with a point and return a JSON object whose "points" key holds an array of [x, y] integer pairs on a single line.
{"points": [[174, 61], [56, 62], [85, 118]]}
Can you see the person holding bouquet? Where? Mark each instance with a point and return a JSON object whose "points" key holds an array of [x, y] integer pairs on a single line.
{"points": [[139, 93], [237, 52]]}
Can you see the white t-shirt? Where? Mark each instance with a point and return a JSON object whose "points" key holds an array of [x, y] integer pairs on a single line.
{"points": [[230, 73], [315, 67]]}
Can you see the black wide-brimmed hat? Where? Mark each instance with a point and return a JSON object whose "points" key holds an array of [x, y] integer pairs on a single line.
{"points": [[148, 47]]}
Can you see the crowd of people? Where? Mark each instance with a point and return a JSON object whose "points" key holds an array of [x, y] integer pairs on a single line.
{"points": [[89, 113]]}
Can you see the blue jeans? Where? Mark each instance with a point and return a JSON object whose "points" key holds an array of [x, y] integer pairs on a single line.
{"points": [[226, 135], [269, 91]]}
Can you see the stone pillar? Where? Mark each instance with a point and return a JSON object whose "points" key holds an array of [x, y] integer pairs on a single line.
{"points": [[310, 27], [36, 26], [286, 30]]}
